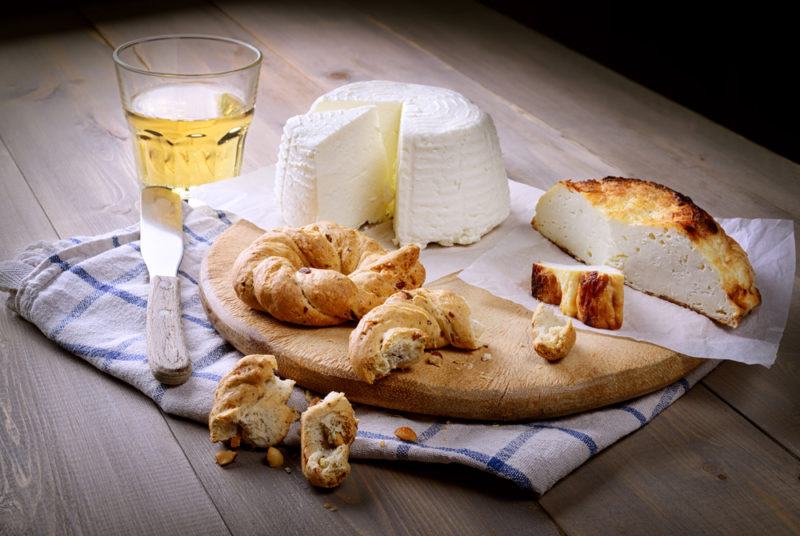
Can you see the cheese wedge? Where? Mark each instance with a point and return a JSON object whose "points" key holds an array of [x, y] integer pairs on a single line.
{"points": [[332, 167], [663, 243], [445, 166], [592, 294]]}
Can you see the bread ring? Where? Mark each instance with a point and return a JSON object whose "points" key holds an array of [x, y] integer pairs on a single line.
{"points": [[397, 333], [322, 274]]}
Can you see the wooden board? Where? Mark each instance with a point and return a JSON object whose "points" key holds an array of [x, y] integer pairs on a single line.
{"points": [[513, 384]]}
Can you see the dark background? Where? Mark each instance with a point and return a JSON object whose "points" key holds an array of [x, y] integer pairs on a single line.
{"points": [[735, 64]]}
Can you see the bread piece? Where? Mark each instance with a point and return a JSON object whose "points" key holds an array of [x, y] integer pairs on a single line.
{"points": [[553, 335], [250, 404], [327, 429], [592, 294], [663, 243], [322, 274], [395, 334]]}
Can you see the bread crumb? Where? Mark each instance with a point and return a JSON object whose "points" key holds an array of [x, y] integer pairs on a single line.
{"points": [[274, 457], [406, 434], [433, 359], [288, 470], [235, 441], [224, 457], [496, 425], [329, 506], [382, 443], [486, 357]]}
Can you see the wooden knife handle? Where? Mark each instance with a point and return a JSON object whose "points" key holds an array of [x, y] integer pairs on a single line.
{"points": [[166, 349]]}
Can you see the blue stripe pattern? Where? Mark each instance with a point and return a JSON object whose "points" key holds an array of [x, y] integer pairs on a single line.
{"points": [[636, 413], [497, 466]]}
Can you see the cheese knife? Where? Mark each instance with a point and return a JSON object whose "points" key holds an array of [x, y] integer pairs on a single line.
{"points": [[161, 234]]}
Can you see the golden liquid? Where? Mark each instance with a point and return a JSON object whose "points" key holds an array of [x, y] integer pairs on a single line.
{"points": [[188, 135]]}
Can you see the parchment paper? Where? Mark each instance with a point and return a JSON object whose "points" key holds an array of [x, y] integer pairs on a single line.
{"points": [[506, 272]]}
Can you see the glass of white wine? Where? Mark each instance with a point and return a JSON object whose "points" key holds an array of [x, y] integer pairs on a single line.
{"points": [[189, 100]]}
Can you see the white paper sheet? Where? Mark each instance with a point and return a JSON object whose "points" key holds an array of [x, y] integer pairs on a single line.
{"points": [[506, 272], [501, 263]]}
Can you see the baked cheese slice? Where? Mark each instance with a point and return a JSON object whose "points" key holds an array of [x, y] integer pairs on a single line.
{"points": [[592, 294], [663, 243]]}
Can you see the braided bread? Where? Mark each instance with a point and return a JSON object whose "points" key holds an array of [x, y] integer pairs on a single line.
{"points": [[322, 274], [397, 333]]}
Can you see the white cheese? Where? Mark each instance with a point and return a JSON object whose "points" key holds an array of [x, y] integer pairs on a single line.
{"points": [[657, 260], [444, 158], [332, 166]]}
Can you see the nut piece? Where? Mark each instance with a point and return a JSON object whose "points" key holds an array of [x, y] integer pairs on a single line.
{"points": [[406, 434], [434, 358], [553, 335], [235, 441], [274, 458], [224, 457]]}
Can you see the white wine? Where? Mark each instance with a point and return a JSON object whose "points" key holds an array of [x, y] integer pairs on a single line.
{"points": [[188, 134]]}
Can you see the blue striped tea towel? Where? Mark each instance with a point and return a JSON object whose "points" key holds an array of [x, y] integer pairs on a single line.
{"points": [[89, 294]]}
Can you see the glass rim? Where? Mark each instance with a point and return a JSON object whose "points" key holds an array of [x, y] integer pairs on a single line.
{"points": [[127, 66]]}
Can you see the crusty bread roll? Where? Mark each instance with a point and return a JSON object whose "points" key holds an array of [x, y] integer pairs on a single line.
{"points": [[663, 243], [322, 274], [327, 429], [397, 333], [553, 335], [250, 404], [592, 294]]}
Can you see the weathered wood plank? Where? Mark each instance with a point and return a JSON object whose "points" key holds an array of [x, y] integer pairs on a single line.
{"points": [[19, 210], [698, 468], [628, 126], [61, 119], [78, 451], [81, 453], [333, 44], [377, 498]]}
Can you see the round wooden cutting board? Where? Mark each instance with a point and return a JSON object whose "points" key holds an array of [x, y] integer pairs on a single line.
{"points": [[506, 380]]}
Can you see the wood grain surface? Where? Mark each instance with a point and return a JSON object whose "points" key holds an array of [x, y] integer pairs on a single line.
{"points": [[513, 384], [166, 347], [721, 459]]}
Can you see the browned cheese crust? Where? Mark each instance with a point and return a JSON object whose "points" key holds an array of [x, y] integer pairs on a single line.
{"points": [[544, 285], [592, 299]]}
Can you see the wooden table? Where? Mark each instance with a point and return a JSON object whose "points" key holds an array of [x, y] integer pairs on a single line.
{"points": [[80, 452]]}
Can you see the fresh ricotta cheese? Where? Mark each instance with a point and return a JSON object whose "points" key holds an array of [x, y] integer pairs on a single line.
{"points": [[332, 166], [445, 179]]}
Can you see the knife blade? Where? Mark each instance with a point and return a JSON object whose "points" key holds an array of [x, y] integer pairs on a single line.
{"points": [[161, 234]]}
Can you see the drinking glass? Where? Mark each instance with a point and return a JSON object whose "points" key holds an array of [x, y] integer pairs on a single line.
{"points": [[189, 100]]}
